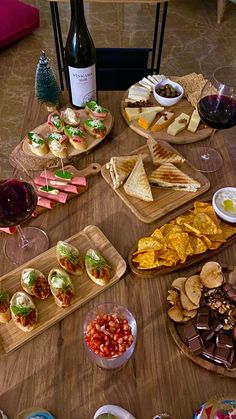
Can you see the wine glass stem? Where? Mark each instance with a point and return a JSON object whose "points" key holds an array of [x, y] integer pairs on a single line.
{"points": [[24, 241], [206, 155]]}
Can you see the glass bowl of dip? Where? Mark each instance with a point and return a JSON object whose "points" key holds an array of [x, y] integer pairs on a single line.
{"points": [[224, 204]]}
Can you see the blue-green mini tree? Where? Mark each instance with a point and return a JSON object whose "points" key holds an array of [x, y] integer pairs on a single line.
{"points": [[47, 89]]}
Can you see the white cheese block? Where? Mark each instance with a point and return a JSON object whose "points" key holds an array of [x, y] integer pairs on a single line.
{"points": [[135, 113], [194, 121], [178, 125]]}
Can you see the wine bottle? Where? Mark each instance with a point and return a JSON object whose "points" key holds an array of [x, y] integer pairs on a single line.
{"points": [[80, 55]]}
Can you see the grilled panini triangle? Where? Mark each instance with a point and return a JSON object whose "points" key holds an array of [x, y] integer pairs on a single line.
{"points": [[137, 184], [162, 155], [169, 176], [120, 168]]}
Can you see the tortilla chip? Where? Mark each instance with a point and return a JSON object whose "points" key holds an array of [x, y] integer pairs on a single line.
{"points": [[147, 257], [227, 230], [185, 218], [179, 242], [197, 244], [205, 224], [149, 243], [167, 229]]}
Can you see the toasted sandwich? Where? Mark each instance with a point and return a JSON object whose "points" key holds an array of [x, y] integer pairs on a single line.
{"points": [[169, 176], [120, 168], [137, 184], [162, 155]]}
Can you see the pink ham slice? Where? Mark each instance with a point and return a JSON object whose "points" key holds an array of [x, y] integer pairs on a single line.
{"points": [[76, 180], [46, 203], [60, 197], [65, 188]]}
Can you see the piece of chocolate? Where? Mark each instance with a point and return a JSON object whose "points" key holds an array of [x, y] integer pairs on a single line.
{"points": [[190, 331], [224, 340], [196, 345], [202, 322], [207, 335], [208, 351], [215, 325], [203, 311], [221, 355]]}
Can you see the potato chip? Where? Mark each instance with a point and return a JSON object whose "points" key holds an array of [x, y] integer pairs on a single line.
{"points": [[179, 282], [178, 242], [185, 218], [227, 230], [205, 224], [197, 244], [173, 297], [175, 314], [149, 243], [186, 302], [190, 314], [193, 289]]}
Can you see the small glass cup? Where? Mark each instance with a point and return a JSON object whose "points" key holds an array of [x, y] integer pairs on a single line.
{"points": [[118, 361]]}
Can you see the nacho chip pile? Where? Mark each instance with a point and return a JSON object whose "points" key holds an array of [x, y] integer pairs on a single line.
{"points": [[191, 233]]}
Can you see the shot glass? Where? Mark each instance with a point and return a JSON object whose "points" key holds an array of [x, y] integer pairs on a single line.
{"points": [[110, 333]]}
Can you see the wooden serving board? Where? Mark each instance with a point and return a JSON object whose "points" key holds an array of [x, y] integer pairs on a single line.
{"points": [[44, 130], [164, 270], [177, 333], [11, 337], [92, 170], [184, 137], [165, 200]]}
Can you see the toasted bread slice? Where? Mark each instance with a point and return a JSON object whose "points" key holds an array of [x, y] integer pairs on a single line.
{"points": [[120, 168], [169, 176], [137, 184], [162, 155]]}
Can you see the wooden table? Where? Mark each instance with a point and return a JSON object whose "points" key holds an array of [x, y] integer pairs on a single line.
{"points": [[52, 370]]}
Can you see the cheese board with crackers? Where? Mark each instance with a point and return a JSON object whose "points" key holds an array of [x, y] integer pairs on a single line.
{"points": [[166, 108]]}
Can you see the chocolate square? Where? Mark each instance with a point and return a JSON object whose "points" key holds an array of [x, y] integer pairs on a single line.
{"points": [[208, 351], [221, 355], [215, 325], [202, 322], [224, 340], [207, 335], [195, 345], [203, 311], [190, 331]]}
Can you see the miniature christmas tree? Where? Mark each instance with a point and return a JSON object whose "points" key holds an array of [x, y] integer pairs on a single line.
{"points": [[47, 89]]}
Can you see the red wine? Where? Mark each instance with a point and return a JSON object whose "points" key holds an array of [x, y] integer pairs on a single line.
{"points": [[218, 111], [80, 57], [17, 202]]}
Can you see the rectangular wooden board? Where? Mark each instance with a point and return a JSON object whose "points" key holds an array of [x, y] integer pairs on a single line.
{"points": [[11, 337], [165, 200]]}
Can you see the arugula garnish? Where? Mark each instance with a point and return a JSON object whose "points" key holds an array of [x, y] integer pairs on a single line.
{"points": [[65, 282], [21, 311], [69, 254], [96, 263], [31, 278]]}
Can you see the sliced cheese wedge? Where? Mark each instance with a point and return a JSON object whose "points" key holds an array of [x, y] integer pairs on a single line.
{"points": [[194, 121], [135, 113], [164, 121], [179, 124], [145, 121]]}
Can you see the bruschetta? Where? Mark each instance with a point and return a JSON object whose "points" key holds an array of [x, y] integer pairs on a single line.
{"points": [[23, 311], [71, 117], [61, 287], [55, 122], [35, 283], [76, 137], [97, 267], [57, 145], [37, 144], [69, 258], [96, 111], [95, 127], [5, 314]]}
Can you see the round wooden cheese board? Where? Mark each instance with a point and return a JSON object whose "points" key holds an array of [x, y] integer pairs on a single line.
{"points": [[184, 137]]}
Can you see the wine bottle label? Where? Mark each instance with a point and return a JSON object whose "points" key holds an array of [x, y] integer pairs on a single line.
{"points": [[82, 85]]}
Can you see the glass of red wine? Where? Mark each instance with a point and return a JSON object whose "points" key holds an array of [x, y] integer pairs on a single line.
{"points": [[18, 200], [217, 109]]}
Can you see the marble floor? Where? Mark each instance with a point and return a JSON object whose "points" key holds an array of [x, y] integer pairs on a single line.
{"points": [[193, 42]]}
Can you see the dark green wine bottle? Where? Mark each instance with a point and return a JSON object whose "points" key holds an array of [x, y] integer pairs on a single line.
{"points": [[80, 57]]}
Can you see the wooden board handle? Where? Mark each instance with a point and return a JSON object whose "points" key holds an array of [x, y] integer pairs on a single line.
{"points": [[140, 131], [91, 170]]}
